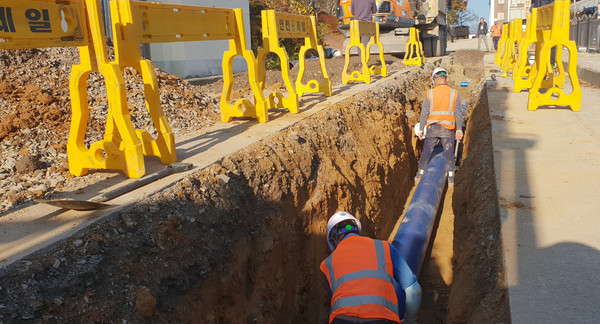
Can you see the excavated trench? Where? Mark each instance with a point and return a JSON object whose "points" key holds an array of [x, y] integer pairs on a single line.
{"points": [[241, 241]]}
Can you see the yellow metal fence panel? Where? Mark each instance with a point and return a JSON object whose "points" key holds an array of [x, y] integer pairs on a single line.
{"points": [[360, 29], [42, 23]]}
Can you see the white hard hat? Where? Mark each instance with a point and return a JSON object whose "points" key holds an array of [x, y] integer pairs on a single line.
{"points": [[336, 219], [417, 129], [438, 70], [495, 19]]}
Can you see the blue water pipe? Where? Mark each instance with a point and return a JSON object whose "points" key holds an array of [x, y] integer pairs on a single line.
{"points": [[412, 238]]}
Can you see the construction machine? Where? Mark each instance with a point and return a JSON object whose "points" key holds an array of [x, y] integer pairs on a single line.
{"points": [[396, 17]]}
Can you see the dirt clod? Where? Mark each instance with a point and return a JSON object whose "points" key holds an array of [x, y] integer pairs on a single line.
{"points": [[145, 303], [28, 163]]}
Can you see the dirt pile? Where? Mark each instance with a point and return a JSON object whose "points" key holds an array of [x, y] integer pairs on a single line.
{"points": [[35, 116], [240, 242]]}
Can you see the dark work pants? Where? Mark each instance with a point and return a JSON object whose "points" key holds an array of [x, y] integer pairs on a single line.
{"points": [[437, 132], [496, 41]]}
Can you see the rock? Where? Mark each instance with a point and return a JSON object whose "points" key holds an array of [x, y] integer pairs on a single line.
{"points": [[224, 179], [56, 264], [268, 245], [8, 164], [28, 163], [145, 303], [78, 243], [128, 222]]}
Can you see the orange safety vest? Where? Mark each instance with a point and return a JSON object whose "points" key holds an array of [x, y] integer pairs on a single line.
{"points": [[496, 30], [361, 275], [442, 100]]}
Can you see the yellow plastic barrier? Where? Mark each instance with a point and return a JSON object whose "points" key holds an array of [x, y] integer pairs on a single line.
{"points": [[51, 23], [157, 23], [511, 46], [501, 45], [42, 23], [414, 49], [555, 18], [523, 71], [360, 29], [277, 25]]}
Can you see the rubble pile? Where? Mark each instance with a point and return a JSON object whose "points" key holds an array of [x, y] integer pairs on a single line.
{"points": [[35, 116]]}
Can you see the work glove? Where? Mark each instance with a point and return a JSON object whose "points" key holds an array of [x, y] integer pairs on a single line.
{"points": [[459, 135], [421, 135]]}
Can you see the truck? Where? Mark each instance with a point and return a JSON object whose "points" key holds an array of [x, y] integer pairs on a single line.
{"points": [[396, 17], [460, 32]]}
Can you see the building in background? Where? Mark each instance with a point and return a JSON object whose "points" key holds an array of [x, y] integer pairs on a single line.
{"points": [[192, 59], [507, 10]]}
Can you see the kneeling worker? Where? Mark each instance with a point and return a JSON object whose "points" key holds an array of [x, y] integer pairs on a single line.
{"points": [[369, 281], [440, 115]]}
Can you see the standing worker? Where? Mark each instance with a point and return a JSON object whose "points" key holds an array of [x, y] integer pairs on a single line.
{"points": [[363, 10], [439, 117], [496, 33], [369, 281], [482, 30]]}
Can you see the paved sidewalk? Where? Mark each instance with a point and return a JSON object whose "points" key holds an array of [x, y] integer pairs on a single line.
{"points": [[547, 166]]}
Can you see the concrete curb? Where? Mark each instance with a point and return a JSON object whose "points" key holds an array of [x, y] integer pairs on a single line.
{"points": [[589, 76]]}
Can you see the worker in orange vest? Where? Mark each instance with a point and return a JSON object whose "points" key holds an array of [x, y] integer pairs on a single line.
{"points": [[439, 120], [496, 33], [369, 281]]}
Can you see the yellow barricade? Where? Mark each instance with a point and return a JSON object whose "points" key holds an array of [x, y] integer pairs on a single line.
{"points": [[53, 23], [42, 23], [277, 25], [414, 49], [360, 29], [501, 45], [157, 23], [523, 72], [553, 31], [511, 46]]}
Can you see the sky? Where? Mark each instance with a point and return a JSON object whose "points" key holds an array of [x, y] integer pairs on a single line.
{"points": [[481, 7]]}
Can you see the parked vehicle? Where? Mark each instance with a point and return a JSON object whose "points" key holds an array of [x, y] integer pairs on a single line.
{"points": [[396, 17]]}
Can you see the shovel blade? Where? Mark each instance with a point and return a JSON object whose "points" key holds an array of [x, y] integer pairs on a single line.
{"points": [[75, 204]]}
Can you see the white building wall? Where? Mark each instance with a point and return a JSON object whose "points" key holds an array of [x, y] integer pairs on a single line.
{"points": [[198, 59]]}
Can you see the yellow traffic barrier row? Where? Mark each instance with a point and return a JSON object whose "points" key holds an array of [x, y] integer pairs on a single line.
{"points": [[360, 29], [501, 45], [555, 18], [51, 23], [523, 70], [547, 27], [275, 26], [515, 31], [414, 49]]}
